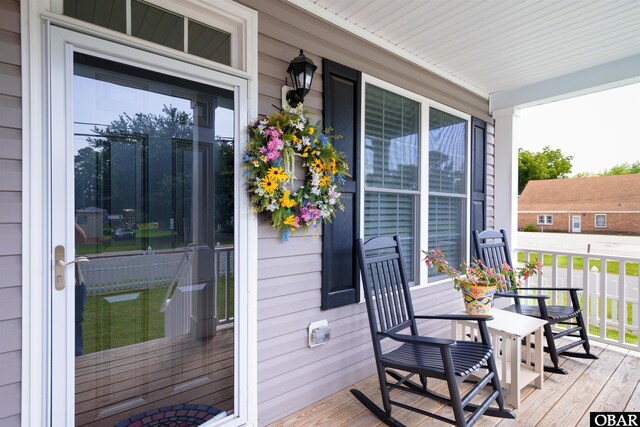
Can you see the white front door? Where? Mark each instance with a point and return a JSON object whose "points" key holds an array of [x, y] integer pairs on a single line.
{"points": [[144, 198], [576, 224]]}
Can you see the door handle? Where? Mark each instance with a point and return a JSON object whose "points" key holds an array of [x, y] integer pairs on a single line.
{"points": [[61, 264]]}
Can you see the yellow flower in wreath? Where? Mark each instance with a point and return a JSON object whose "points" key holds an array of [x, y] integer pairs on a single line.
{"points": [[325, 181], [311, 131], [333, 167], [285, 201], [277, 174], [291, 221], [318, 165], [268, 185]]}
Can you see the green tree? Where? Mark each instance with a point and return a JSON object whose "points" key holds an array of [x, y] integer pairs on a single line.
{"points": [[585, 174], [545, 164], [623, 169], [147, 162]]}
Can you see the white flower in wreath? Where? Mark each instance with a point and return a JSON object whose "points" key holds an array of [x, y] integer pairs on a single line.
{"points": [[259, 190], [306, 140], [333, 195], [300, 125], [315, 179], [273, 205], [299, 145], [262, 125], [297, 110]]}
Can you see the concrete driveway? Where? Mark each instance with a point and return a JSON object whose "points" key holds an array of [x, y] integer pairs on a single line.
{"points": [[628, 246]]}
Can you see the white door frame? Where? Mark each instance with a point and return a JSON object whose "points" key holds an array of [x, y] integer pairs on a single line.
{"points": [[44, 125]]}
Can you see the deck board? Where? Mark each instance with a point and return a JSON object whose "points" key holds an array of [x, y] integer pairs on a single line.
{"points": [[608, 384], [618, 390], [162, 372], [570, 408], [538, 403], [634, 401]]}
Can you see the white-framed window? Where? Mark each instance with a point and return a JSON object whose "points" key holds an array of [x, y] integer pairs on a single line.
{"points": [[391, 183], [216, 30], [545, 219], [601, 221], [448, 189], [415, 167], [140, 19]]}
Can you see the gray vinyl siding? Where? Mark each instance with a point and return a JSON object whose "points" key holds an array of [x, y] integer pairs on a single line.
{"points": [[10, 213], [290, 374]]}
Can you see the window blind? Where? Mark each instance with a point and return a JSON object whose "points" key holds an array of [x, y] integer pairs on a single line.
{"points": [[391, 157], [447, 186]]}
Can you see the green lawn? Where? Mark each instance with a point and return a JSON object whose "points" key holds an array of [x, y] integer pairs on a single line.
{"points": [[629, 338], [613, 267], [612, 331], [110, 325], [132, 320], [153, 237]]}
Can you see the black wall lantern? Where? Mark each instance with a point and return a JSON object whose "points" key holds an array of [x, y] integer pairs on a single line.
{"points": [[301, 70]]}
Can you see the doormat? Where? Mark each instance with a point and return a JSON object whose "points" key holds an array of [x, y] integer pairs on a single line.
{"points": [[174, 416]]}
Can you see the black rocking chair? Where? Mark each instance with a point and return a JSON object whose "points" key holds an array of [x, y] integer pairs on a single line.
{"points": [[390, 312], [493, 250]]}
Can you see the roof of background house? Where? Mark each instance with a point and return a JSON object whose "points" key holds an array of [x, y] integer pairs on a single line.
{"points": [[598, 193]]}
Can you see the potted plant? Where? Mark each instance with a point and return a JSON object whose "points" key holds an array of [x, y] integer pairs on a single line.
{"points": [[478, 282]]}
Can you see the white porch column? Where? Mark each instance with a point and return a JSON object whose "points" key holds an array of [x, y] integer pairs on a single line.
{"points": [[506, 172]]}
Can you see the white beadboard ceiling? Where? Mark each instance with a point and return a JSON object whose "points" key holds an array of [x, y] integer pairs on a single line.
{"points": [[493, 46]]}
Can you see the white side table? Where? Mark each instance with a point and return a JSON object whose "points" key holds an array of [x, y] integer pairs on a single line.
{"points": [[507, 331]]}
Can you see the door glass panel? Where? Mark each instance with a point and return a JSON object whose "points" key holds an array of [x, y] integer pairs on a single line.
{"points": [[154, 210]]}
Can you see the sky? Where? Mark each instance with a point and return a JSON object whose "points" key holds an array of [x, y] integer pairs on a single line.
{"points": [[599, 130]]}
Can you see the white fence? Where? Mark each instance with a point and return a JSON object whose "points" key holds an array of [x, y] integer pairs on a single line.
{"points": [[609, 300], [109, 274], [125, 272]]}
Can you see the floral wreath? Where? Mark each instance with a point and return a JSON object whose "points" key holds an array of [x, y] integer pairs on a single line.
{"points": [[274, 144]]}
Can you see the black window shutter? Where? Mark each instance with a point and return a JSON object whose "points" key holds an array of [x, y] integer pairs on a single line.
{"points": [[341, 112], [478, 176]]}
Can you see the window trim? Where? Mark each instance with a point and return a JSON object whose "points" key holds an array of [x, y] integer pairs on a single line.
{"points": [[595, 220], [544, 219], [422, 204], [237, 20]]}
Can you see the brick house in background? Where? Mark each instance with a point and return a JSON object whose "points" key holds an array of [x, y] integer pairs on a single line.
{"points": [[600, 204]]}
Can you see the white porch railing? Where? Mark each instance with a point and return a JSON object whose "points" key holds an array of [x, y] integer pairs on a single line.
{"points": [[609, 298], [107, 274]]}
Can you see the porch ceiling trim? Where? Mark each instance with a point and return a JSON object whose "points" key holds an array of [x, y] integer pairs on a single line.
{"points": [[519, 53], [352, 28], [602, 77]]}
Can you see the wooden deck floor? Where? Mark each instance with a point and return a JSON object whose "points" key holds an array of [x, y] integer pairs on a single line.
{"points": [[115, 384], [607, 384]]}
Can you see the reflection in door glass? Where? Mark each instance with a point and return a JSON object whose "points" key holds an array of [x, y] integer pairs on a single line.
{"points": [[154, 215]]}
